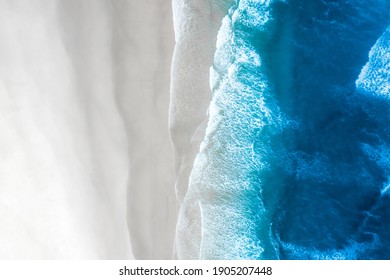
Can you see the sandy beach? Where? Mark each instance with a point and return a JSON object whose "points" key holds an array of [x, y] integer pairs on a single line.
{"points": [[87, 164]]}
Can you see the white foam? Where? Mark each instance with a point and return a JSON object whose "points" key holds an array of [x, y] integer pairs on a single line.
{"points": [[232, 208], [196, 25], [374, 77]]}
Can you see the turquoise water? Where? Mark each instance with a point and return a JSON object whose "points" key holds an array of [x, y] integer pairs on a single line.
{"points": [[295, 162]]}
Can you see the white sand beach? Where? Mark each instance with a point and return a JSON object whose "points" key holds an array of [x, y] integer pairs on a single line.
{"points": [[86, 167]]}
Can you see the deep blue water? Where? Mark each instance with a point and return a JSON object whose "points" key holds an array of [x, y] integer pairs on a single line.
{"points": [[296, 159]]}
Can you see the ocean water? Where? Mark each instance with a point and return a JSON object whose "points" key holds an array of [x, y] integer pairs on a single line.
{"points": [[295, 163]]}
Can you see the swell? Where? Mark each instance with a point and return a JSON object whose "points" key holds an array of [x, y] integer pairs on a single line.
{"points": [[333, 181]]}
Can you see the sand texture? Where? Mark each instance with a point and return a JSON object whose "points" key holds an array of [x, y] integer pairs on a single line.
{"points": [[86, 167]]}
